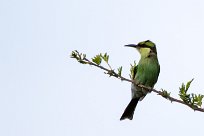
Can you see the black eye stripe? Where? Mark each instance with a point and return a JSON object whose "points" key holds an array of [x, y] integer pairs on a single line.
{"points": [[145, 46], [142, 45]]}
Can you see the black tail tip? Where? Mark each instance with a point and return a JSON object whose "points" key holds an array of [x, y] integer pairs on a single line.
{"points": [[129, 110], [125, 117]]}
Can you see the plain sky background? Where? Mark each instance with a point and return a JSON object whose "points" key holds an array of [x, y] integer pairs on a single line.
{"points": [[43, 92]]}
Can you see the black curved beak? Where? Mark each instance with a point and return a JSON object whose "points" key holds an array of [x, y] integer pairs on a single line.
{"points": [[132, 45]]}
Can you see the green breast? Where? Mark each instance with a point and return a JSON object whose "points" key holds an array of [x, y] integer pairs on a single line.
{"points": [[148, 71]]}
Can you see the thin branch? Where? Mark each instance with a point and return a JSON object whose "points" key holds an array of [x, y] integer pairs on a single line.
{"points": [[114, 74], [178, 101]]}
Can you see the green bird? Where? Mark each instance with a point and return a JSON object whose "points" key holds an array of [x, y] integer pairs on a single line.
{"points": [[145, 73]]}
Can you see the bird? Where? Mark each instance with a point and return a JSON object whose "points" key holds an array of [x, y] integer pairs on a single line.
{"points": [[145, 73]]}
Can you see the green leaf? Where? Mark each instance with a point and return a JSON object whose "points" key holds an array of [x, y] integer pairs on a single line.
{"points": [[120, 71], [105, 57], [133, 70], [97, 59], [200, 99], [182, 89], [188, 84]]}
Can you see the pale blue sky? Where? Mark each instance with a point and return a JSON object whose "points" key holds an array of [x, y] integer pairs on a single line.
{"points": [[45, 93]]}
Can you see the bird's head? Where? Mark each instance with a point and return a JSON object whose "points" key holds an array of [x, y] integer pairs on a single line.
{"points": [[145, 48]]}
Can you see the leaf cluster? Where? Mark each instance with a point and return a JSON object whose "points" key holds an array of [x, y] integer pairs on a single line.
{"points": [[97, 60], [165, 94], [79, 57], [194, 100], [101, 57]]}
